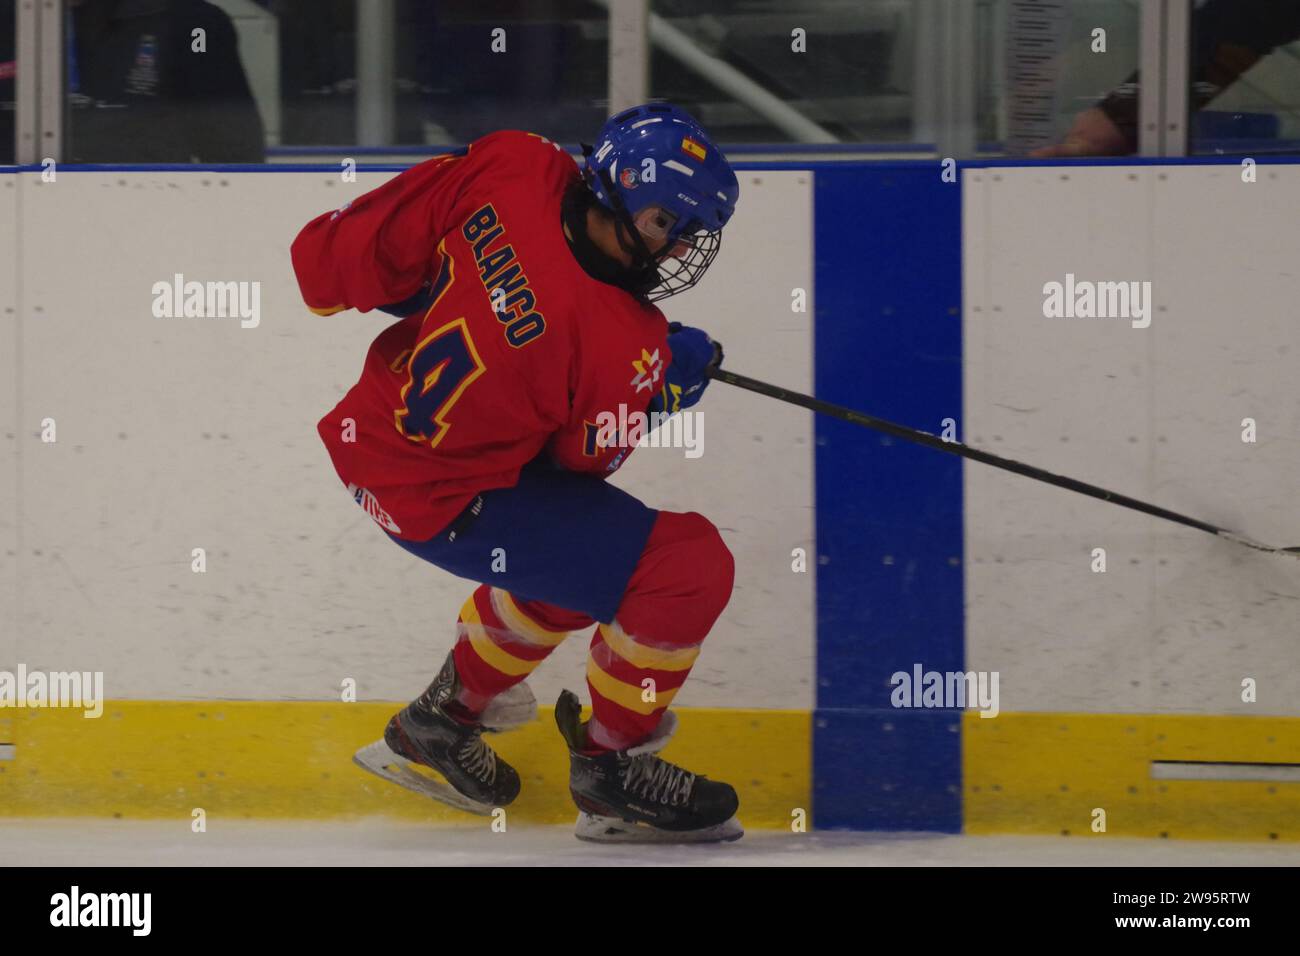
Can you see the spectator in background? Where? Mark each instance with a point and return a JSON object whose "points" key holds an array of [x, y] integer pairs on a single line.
{"points": [[8, 70], [138, 91], [1231, 36]]}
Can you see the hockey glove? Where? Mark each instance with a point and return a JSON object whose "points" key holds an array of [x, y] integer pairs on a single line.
{"points": [[686, 377]]}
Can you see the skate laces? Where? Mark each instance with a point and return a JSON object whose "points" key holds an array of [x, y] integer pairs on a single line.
{"points": [[478, 759], [657, 780]]}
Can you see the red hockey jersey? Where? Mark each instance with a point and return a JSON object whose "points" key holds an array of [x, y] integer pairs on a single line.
{"points": [[519, 354]]}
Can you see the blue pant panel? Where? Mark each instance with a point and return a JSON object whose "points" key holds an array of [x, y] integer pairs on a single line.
{"points": [[567, 539]]}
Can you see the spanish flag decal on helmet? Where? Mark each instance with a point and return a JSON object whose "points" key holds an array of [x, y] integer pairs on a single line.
{"points": [[694, 148]]}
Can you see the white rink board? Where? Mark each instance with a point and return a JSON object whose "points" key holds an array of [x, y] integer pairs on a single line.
{"points": [[176, 434], [1179, 618]]}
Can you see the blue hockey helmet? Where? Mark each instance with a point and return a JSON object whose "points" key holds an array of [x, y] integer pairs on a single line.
{"points": [[656, 169]]}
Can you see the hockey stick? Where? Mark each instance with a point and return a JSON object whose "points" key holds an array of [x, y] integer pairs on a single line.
{"points": [[974, 454]]}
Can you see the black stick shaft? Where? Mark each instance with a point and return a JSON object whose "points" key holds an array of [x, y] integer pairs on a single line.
{"points": [[957, 448]]}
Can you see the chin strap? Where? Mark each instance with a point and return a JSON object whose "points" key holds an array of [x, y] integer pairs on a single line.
{"points": [[594, 262], [642, 276]]}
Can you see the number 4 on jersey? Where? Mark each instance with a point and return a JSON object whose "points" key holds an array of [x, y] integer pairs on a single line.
{"points": [[439, 371]]}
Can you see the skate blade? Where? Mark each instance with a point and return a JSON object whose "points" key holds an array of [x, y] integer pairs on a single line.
{"points": [[599, 829], [379, 759], [510, 709]]}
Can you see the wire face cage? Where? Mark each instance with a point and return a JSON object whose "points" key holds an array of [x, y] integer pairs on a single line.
{"points": [[679, 273]]}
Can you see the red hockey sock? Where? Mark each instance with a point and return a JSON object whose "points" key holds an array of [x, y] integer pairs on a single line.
{"points": [[638, 662], [501, 640]]}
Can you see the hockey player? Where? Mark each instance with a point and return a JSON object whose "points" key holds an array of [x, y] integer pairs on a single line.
{"points": [[525, 290]]}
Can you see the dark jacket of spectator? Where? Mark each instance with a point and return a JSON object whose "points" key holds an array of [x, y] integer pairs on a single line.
{"points": [[138, 92]]}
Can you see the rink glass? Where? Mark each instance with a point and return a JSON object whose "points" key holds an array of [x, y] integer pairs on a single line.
{"points": [[1259, 112], [882, 77]]}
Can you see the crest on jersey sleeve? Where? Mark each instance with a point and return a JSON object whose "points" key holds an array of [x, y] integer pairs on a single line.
{"points": [[649, 369]]}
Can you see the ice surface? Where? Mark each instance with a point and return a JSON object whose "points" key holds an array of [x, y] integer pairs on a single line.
{"points": [[69, 842]]}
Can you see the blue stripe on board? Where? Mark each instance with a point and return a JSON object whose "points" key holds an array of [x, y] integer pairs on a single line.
{"points": [[207, 168], [849, 165], [1238, 146], [887, 340], [729, 148]]}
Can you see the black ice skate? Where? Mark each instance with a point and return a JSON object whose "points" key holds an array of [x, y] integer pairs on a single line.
{"points": [[426, 736], [633, 796]]}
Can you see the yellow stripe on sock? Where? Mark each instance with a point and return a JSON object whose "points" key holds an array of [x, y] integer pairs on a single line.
{"points": [[650, 658], [513, 616], [488, 650], [624, 694]]}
